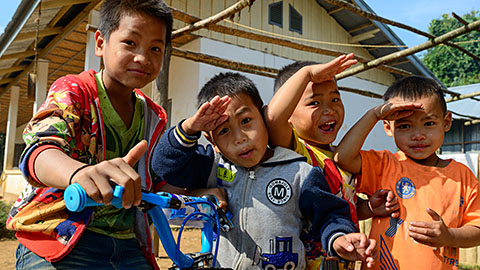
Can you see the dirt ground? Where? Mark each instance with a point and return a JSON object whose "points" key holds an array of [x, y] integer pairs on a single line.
{"points": [[190, 243]]}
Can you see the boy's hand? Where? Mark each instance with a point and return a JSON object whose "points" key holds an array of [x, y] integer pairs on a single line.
{"points": [[208, 116], [96, 179], [219, 194], [356, 246], [384, 203], [434, 234], [325, 72], [393, 111]]}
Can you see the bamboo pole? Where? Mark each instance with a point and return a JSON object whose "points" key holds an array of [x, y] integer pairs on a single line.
{"points": [[224, 63], [460, 19], [369, 15], [403, 53], [213, 19], [470, 117], [253, 69], [464, 96], [360, 92], [180, 15]]}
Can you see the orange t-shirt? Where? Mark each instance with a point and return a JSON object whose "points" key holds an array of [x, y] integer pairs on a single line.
{"points": [[450, 191]]}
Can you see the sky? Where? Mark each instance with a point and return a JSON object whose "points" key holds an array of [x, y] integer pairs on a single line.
{"points": [[415, 13]]}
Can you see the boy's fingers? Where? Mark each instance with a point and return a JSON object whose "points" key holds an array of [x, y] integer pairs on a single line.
{"points": [[221, 119], [434, 215], [363, 240], [134, 155], [371, 247]]}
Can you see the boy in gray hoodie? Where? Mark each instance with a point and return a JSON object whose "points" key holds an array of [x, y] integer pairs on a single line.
{"points": [[271, 193]]}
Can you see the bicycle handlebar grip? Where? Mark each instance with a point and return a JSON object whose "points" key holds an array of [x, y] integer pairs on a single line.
{"points": [[76, 199]]}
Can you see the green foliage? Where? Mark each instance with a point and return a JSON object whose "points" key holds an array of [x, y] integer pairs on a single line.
{"points": [[450, 65], [468, 267], [4, 233]]}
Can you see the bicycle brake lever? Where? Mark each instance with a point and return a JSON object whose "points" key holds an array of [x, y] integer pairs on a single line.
{"points": [[223, 217]]}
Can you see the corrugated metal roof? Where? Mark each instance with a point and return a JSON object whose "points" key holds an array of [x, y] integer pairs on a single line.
{"points": [[467, 106]]}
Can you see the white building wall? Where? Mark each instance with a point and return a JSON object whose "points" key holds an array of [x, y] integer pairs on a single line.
{"points": [[187, 77]]}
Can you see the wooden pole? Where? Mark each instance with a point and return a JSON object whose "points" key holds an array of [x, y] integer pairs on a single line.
{"points": [[460, 19], [360, 92], [369, 15], [431, 43], [213, 19], [253, 69], [460, 97], [180, 15], [224, 63]]}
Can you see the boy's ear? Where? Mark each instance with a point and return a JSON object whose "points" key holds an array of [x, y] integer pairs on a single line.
{"points": [[99, 43], [210, 139], [448, 121], [388, 128]]}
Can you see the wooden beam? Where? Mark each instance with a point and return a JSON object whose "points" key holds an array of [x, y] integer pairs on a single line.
{"points": [[361, 27], [281, 42], [369, 15], [399, 62], [360, 92], [472, 122], [224, 63], [12, 69], [5, 80], [42, 53], [253, 69], [335, 10], [393, 56], [460, 19], [49, 4], [18, 55], [466, 116], [388, 42], [68, 61], [41, 33], [363, 36], [464, 96], [213, 19]]}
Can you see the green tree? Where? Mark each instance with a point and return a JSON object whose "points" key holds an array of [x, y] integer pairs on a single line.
{"points": [[450, 65]]}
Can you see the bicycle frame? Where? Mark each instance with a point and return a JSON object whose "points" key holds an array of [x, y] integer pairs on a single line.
{"points": [[76, 200]]}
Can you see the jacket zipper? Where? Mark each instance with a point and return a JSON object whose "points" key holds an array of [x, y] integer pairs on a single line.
{"points": [[250, 176]]}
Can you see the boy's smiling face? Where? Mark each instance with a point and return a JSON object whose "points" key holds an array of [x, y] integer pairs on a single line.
{"points": [[319, 114], [243, 138], [133, 54], [420, 134]]}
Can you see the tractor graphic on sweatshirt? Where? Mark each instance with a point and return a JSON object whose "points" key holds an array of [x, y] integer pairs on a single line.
{"points": [[280, 256]]}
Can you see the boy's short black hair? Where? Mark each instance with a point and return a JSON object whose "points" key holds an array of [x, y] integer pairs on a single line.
{"points": [[287, 71], [229, 84], [414, 87], [113, 10]]}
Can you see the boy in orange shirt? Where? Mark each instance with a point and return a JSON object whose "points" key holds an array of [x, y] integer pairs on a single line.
{"points": [[305, 115], [439, 207]]}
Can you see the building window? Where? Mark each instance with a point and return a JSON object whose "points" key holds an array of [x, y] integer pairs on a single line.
{"points": [[295, 20], [275, 14]]}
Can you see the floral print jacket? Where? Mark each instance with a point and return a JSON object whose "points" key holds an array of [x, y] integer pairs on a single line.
{"points": [[71, 119]]}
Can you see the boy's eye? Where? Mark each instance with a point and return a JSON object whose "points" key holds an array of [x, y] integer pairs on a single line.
{"points": [[429, 123], [223, 131], [335, 100], [246, 121], [403, 126], [157, 49], [129, 43], [313, 103]]}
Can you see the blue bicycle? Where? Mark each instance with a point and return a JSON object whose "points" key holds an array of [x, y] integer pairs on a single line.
{"points": [[180, 209]]}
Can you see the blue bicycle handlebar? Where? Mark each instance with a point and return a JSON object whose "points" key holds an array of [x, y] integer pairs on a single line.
{"points": [[76, 199]]}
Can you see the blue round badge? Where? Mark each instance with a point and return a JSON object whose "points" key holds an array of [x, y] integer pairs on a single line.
{"points": [[405, 188]]}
